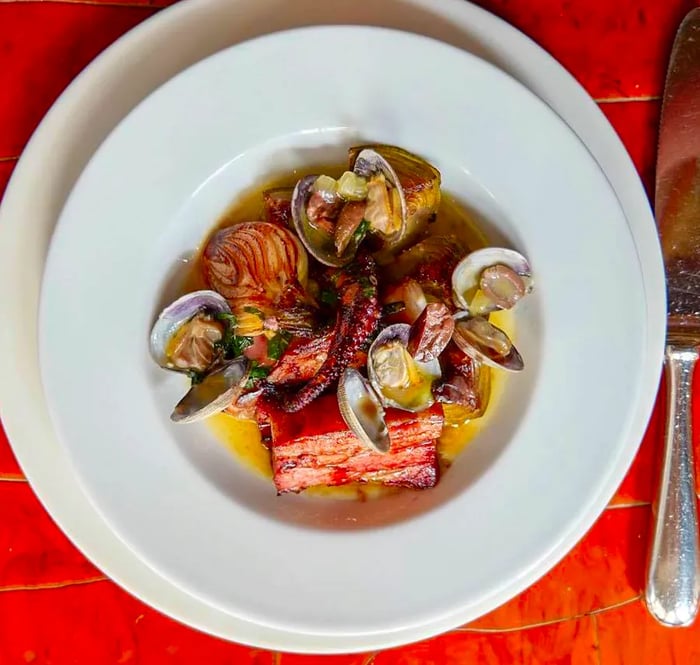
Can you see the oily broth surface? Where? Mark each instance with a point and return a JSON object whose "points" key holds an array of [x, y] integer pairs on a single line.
{"points": [[242, 437]]}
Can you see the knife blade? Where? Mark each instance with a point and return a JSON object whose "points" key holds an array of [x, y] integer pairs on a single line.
{"points": [[673, 570]]}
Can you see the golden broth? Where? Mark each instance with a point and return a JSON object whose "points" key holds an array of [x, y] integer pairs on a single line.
{"points": [[242, 437]]}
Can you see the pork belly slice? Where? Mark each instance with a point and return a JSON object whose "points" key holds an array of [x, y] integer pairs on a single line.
{"points": [[314, 447]]}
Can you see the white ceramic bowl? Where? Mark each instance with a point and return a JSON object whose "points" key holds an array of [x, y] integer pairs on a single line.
{"points": [[513, 500]]}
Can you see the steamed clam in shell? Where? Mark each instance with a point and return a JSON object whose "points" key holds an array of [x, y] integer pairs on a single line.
{"points": [[186, 335], [214, 393], [399, 379], [491, 279], [318, 233], [362, 410], [416, 182], [481, 340]]}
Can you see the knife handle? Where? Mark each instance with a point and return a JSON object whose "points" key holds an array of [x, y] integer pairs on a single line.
{"points": [[673, 575]]}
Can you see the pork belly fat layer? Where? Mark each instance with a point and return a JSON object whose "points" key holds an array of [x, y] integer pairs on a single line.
{"points": [[314, 447]]}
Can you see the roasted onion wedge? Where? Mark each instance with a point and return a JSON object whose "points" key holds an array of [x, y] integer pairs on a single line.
{"points": [[253, 263]]}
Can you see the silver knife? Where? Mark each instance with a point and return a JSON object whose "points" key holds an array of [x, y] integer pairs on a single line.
{"points": [[673, 573]]}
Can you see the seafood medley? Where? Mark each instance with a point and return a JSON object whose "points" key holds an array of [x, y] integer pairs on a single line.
{"points": [[344, 326]]}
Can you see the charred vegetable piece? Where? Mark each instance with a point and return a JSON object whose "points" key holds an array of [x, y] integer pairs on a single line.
{"points": [[430, 263], [410, 294], [464, 388], [431, 332]]}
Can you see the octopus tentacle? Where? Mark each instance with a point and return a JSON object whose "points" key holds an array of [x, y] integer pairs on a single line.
{"points": [[357, 320]]}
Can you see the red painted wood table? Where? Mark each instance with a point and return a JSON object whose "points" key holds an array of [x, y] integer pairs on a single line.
{"points": [[56, 608]]}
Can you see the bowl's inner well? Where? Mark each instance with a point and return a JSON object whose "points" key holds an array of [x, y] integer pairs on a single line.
{"points": [[198, 442]]}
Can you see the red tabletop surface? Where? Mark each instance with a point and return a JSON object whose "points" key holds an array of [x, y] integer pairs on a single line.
{"points": [[57, 608]]}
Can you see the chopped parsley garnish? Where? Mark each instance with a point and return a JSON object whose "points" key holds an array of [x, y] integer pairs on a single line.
{"points": [[232, 344], [368, 289], [328, 297], [226, 317], [257, 372], [277, 344], [361, 231]]}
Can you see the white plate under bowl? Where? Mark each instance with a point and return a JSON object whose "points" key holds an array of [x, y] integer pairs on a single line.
{"points": [[511, 502], [79, 121]]}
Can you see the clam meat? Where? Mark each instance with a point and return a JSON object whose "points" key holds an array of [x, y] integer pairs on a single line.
{"points": [[187, 334], [399, 379], [491, 279], [480, 339]]}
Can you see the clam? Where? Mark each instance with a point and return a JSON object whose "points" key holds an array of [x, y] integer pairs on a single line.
{"points": [[319, 241], [415, 181], [386, 204], [481, 340], [214, 393], [362, 410], [186, 334], [490, 279], [399, 379]]}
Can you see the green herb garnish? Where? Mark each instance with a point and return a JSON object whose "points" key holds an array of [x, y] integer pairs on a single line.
{"points": [[226, 317], [328, 297], [257, 372], [277, 344], [360, 232], [254, 310], [368, 289]]}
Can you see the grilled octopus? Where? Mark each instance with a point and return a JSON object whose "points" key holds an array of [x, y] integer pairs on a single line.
{"points": [[357, 319]]}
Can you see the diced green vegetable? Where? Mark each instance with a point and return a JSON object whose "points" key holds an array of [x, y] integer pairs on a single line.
{"points": [[325, 184], [277, 344], [352, 187]]}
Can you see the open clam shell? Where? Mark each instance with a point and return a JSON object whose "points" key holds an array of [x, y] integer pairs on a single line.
{"points": [[215, 392], [362, 410], [319, 244], [467, 278], [483, 341], [417, 181], [369, 162], [388, 365], [173, 317]]}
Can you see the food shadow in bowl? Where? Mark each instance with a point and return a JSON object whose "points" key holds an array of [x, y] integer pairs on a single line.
{"points": [[231, 475]]}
